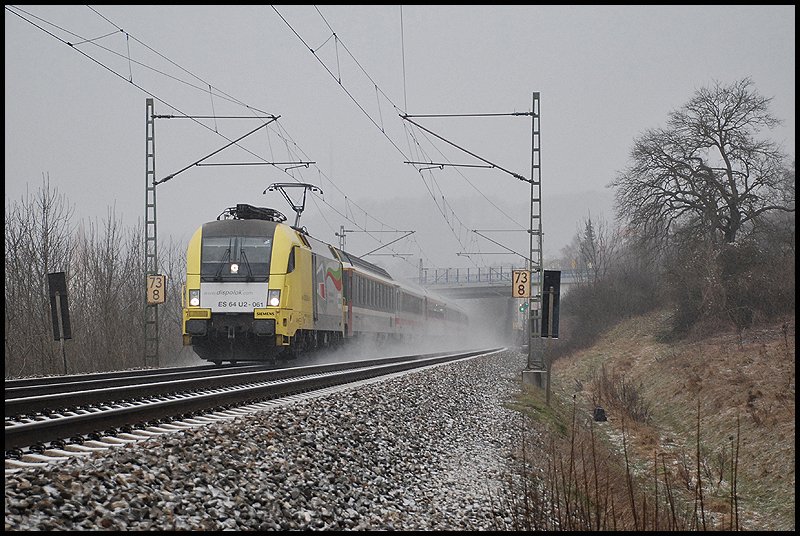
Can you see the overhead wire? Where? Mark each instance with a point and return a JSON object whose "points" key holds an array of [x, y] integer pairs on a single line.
{"points": [[442, 210], [282, 134], [284, 137], [115, 73], [349, 94]]}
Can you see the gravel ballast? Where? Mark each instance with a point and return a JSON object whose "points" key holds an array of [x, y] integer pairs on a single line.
{"points": [[421, 451]]}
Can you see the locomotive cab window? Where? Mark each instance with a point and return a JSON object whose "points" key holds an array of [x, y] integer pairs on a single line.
{"points": [[235, 258]]}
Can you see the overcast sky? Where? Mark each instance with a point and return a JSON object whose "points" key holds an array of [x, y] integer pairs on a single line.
{"points": [[605, 74]]}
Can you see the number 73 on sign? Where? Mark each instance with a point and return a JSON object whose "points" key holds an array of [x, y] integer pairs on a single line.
{"points": [[156, 289], [521, 284]]}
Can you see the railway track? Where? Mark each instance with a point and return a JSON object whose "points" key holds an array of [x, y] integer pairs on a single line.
{"points": [[72, 414]]}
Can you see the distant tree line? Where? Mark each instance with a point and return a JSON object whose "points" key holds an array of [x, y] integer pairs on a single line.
{"points": [[705, 223], [105, 274]]}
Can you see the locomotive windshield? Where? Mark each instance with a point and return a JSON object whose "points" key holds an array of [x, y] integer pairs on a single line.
{"points": [[235, 258]]}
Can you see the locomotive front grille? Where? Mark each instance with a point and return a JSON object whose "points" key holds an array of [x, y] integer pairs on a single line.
{"points": [[264, 327], [231, 326], [196, 327]]}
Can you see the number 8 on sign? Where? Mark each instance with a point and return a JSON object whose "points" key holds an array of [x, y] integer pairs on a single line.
{"points": [[156, 288], [521, 286]]}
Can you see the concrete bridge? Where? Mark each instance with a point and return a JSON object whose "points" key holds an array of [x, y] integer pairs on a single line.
{"points": [[487, 293], [473, 283]]}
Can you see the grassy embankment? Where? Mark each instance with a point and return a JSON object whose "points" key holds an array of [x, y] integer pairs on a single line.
{"points": [[639, 469]]}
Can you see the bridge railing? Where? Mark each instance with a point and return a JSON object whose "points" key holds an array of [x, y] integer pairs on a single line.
{"points": [[466, 276], [458, 276]]}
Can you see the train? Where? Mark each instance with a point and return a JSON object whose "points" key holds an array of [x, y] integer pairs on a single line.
{"points": [[259, 289]]}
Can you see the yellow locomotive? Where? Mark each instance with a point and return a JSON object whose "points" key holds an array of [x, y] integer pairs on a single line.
{"points": [[258, 289]]}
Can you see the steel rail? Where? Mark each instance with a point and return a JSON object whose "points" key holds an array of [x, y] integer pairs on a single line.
{"points": [[62, 397], [66, 384], [18, 435], [53, 380]]}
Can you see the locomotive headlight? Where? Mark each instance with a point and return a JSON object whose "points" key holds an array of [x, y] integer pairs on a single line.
{"points": [[234, 268], [194, 297], [274, 297]]}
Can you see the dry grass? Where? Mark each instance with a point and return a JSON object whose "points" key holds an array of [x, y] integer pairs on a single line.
{"points": [[742, 390]]}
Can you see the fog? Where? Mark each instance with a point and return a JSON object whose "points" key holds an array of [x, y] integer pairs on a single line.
{"points": [[485, 330]]}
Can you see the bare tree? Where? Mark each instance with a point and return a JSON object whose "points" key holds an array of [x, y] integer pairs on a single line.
{"points": [[592, 251], [779, 227], [706, 170], [598, 246], [104, 265], [170, 316], [38, 241], [107, 283], [571, 256]]}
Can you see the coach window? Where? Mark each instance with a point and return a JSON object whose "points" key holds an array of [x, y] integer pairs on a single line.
{"points": [[364, 292], [365, 286]]}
